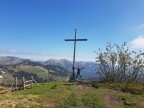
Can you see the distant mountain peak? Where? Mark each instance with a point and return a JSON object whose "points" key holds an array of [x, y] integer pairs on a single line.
{"points": [[89, 70], [10, 60]]}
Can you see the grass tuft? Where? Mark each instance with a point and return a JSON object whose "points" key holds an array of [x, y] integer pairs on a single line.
{"points": [[93, 100]]}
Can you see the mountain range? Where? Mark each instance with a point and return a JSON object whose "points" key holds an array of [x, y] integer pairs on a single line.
{"points": [[88, 73], [8, 60]]}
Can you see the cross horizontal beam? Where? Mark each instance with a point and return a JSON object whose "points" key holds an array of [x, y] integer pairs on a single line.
{"points": [[75, 39]]}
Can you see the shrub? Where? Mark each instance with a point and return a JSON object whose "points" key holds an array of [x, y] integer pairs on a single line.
{"points": [[119, 64], [133, 88], [125, 87]]}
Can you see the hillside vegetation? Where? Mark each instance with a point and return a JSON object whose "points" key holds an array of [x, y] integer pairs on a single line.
{"points": [[70, 95], [38, 71], [88, 72]]}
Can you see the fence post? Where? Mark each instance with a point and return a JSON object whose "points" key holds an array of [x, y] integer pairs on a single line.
{"points": [[16, 88], [23, 82], [32, 81]]}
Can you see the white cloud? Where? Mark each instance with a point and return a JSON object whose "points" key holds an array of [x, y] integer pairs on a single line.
{"points": [[26, 54], [19, 52], [137, 43], [39, 56]]}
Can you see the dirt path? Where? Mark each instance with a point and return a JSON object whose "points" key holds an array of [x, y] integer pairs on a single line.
{"points": [[112, 100], [79, 89]]}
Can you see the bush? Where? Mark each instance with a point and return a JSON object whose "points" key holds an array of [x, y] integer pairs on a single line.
{"points": [[119, 64], [134, 89], [95, 85], [125, 87]]}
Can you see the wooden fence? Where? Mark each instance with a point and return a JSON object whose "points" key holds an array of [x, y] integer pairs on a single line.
{"points": [[26, 84]]}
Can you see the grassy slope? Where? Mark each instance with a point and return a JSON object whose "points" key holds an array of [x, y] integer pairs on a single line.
{"points": [[69, 95], [40, 71]]}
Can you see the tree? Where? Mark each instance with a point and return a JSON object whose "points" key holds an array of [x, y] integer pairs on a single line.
{"points": [[119, 64]]}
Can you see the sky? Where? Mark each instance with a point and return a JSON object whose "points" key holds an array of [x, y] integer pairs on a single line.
{"points": [[36, 29]]}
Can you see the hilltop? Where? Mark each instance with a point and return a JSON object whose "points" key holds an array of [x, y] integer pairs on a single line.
{"points": [[71, 95]]}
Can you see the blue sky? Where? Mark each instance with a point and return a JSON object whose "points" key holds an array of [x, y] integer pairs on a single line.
{"points": [[36, 29]]}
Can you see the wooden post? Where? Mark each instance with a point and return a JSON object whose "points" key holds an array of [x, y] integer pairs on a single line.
{"points": [[34, 80], [15, 85], [23, 83]]}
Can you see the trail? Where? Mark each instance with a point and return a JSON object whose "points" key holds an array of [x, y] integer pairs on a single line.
{"points": [[110, 100]]}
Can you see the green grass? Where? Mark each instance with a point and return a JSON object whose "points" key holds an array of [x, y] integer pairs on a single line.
{"points": [[64, 95], [71, 101], [93, 100], [67, 95], [88, 98], [54, 92], [39, 89]]}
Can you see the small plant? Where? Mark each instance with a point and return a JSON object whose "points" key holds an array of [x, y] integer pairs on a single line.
{"points": [[54, 87], [128, 101], [95, 85]]}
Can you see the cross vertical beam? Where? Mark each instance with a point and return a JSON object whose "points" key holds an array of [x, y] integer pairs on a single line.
{"points": [[74, 56], [75, 40]]}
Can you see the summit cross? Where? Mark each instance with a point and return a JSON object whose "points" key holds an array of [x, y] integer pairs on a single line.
{"points": [[75, 40]]}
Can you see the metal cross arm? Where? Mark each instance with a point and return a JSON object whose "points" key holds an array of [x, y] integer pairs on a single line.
{"points": [[75, 39]]}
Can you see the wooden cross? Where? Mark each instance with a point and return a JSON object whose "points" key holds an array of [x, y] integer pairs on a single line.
{"points": [[75, 40]]}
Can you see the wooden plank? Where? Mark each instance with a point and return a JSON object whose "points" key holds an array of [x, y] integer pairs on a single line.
{"points": [[29, 81], [28, 85]]}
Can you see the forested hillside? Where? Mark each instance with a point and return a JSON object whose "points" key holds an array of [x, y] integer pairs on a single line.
{"points": [[40, 72]]}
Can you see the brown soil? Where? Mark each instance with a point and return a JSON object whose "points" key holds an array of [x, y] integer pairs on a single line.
{"points": [[79, 89], [112, 101]]}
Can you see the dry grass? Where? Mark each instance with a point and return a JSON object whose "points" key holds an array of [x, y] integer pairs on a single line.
{"points": [[11, 101]]}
